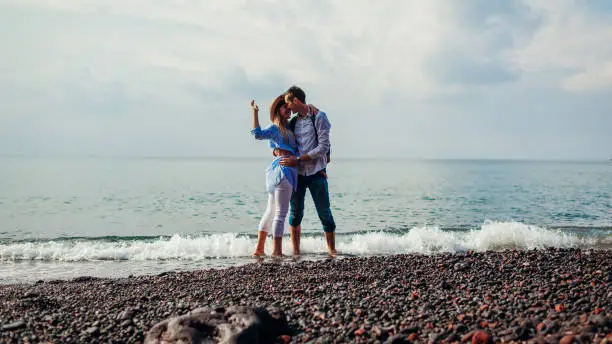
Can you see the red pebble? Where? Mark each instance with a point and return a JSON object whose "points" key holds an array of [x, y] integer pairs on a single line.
{"points": [[285, 338], [481, 337]]}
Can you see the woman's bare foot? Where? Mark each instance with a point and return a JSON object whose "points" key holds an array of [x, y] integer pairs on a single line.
{"points": [[332, 254], [277, 255], [278, 247], [261, 244]]}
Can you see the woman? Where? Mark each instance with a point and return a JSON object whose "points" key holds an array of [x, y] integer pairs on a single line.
{"points": [[281, 181]]}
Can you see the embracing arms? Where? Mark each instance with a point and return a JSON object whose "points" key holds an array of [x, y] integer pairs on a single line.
{"points": [[322, 127]]}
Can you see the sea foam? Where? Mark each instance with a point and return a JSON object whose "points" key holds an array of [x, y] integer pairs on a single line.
{"points": [[425, 240]]}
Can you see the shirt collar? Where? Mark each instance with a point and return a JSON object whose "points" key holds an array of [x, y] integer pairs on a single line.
{"points": [[308, 114]]}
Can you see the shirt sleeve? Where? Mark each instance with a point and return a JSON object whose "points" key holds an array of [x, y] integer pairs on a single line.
{"points": [[322, 126], [263, 134]]}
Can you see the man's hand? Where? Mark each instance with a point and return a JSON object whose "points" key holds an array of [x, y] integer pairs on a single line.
{"points": [[313, 109], [288, 160]]}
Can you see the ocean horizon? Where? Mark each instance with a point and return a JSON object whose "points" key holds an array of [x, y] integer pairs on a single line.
{"points": [[342, 158]]}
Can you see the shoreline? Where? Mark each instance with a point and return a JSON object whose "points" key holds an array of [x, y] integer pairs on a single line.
{"points": [[513, 295]]}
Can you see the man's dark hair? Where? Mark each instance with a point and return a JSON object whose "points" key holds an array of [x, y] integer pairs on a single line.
{"points": [[298, 93]]}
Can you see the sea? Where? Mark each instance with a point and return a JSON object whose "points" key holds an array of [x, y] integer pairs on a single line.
{"points": [[62, 218]]}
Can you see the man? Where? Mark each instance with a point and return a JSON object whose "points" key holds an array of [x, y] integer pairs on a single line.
{"points": [[313, 146]]}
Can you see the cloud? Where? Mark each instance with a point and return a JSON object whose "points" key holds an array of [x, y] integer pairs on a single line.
{"points": [[476, 49], [468, 71], [88, 76], [596, 78], [574, 39]]}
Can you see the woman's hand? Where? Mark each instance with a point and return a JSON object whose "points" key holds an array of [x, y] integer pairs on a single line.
{"points": [[255, 109], [254, 106]]}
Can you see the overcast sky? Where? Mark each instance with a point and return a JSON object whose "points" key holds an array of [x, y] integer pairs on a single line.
{"points": [[407, 78]]}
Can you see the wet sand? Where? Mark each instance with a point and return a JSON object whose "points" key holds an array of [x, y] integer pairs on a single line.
{"points": [[511, 296]]}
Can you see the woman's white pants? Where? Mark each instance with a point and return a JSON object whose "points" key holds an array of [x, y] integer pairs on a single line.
{"points": [[278, 206]]}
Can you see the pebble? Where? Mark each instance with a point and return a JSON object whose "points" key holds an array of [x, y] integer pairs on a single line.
{"points": [[535, 296], [30, 294], [93, 331], [481, 337], [14, 325]]}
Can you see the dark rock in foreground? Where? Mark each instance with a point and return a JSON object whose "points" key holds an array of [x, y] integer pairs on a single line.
{"points": [[540, 296], [237, 325]]}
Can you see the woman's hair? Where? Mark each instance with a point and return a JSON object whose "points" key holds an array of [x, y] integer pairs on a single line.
{"points": [[276, 118]]}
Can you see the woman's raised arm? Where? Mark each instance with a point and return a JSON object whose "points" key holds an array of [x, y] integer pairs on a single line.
{"points": [[261, 134], [255, 109]]}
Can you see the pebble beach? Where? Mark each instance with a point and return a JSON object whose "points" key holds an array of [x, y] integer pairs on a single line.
{"points": [[534, 296]]}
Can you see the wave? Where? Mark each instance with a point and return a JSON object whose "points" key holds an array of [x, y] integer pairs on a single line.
{"points": [[426, 240]]}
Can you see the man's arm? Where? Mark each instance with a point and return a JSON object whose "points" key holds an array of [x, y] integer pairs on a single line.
{"points": [[322, 126]]}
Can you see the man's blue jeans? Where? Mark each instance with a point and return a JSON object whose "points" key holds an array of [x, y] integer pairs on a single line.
{"points": [[317, 184]]}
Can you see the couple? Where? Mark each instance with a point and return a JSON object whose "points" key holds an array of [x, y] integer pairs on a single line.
{"points": [[301, 149]]}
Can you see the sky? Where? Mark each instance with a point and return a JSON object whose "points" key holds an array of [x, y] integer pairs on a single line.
{"points": [[473, 79]]}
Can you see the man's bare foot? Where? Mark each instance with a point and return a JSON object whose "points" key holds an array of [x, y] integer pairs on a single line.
{"points": [[259, 254], [296, 258], [295, 239], [330, 238]]}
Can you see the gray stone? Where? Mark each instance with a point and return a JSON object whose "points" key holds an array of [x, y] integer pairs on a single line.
{"points": [[93, 331], [236, 325], [14, 325]]}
